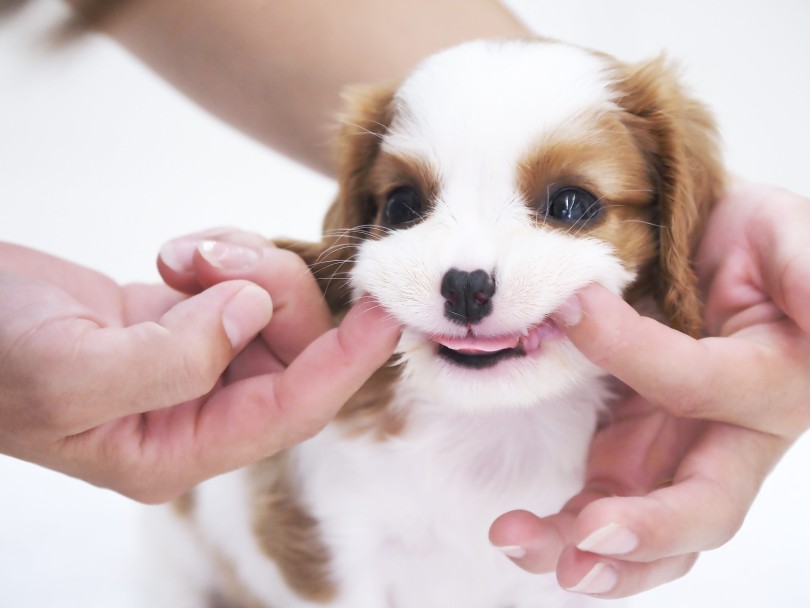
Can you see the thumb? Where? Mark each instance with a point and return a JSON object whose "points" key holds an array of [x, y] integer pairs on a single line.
{"points": [[258, 416], [180, 357]]}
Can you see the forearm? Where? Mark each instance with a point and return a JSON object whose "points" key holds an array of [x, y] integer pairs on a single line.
{"points": [[275, 68]]}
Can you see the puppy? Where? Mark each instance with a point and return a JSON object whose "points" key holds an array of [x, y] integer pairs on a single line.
{"points": [[475, 198]]}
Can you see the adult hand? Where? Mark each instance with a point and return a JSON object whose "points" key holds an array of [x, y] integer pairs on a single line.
{"points": [[147, 391], [662, 484]]}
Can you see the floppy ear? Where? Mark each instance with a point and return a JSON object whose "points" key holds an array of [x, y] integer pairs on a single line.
{"points": [[679, 138], [368, 115]]}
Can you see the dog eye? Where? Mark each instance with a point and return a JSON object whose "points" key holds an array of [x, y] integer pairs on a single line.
{"points": [[573, 205], [403, 207]]}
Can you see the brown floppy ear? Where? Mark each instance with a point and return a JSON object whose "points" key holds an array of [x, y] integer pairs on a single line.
{"points": [[679, 138], [350, 219]]}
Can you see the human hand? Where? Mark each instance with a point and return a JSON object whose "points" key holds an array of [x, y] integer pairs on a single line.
{"points": [[147, 391], [663, 485]]}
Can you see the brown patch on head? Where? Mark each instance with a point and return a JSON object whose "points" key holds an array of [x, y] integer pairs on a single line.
{"points": [[351, 218], [287, 533], [655, 166], [391, 172], [365, 174], [597, 154]]}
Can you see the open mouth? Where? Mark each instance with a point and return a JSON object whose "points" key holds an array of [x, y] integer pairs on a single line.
{"points": [[480, 352]]}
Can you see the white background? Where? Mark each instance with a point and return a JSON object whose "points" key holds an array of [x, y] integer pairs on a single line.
{"points": [[101, 162]]}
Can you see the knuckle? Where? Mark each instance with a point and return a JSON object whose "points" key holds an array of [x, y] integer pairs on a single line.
{"points": [[196, 375], [201, 373]]}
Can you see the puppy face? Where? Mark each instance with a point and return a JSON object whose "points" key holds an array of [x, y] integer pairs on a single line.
{"points": [[498, 180]]}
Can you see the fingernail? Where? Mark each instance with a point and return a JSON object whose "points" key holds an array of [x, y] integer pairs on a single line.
{"points": [[245, 314], [612, 539], [513, 551], [569, 313], [600, 579], [228, 256], [177, 254]]}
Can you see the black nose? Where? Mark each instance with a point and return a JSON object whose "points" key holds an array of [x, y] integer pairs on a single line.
{"points": [[468, 295]]}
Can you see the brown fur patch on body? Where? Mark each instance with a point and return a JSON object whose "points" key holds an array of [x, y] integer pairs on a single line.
{"points": [[227, 590], [183, 506], [231, 593], [287, 533]]}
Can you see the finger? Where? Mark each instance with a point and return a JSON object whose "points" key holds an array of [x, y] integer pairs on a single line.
{"points": [[531, 542], [258, 416], [121, 371], [608, 331], [175, 259], [702, 509], [712, 378], [535, 543], [591, 574], [300, 313]]}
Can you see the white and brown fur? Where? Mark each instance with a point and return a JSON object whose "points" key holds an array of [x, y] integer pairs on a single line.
{"points": [[391, 504]]}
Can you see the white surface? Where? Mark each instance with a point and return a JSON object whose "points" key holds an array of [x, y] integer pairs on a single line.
{"points": [[101, 162]]}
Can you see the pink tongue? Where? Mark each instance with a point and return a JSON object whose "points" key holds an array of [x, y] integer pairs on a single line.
{"points": [[474, 344]]}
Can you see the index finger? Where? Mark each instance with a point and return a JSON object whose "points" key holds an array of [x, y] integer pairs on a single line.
{"points": [[712, 378]]}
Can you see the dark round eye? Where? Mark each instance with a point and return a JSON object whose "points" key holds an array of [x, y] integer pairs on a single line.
{"points": [[573, 205], [403, 207]]}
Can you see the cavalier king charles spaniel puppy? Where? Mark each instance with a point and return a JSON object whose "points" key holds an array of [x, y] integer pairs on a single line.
{"points": [[475, 197]]}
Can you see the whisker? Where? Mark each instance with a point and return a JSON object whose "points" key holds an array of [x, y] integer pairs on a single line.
{"points": [[366, 131]]}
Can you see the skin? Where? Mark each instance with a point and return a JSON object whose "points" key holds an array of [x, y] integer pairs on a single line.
{"points": [[277, 68], [689, 440], [147, 391]]}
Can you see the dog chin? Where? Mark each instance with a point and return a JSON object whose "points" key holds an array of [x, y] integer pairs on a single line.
{"points": [[483, 381]]}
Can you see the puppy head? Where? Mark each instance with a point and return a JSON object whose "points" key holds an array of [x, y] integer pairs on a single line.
{"points": [[495, 182]]}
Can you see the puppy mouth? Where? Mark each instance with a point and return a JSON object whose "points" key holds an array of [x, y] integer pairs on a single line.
{"points": [[480, 352]]}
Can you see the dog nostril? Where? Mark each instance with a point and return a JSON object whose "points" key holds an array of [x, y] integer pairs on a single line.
{"points": [[468, 295]]}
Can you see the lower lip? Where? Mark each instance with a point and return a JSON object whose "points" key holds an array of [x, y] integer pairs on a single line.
{"points": [[479, 360], [485, 352]]}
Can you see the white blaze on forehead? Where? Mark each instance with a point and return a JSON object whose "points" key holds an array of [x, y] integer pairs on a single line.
{"points": [[480, 107]]}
